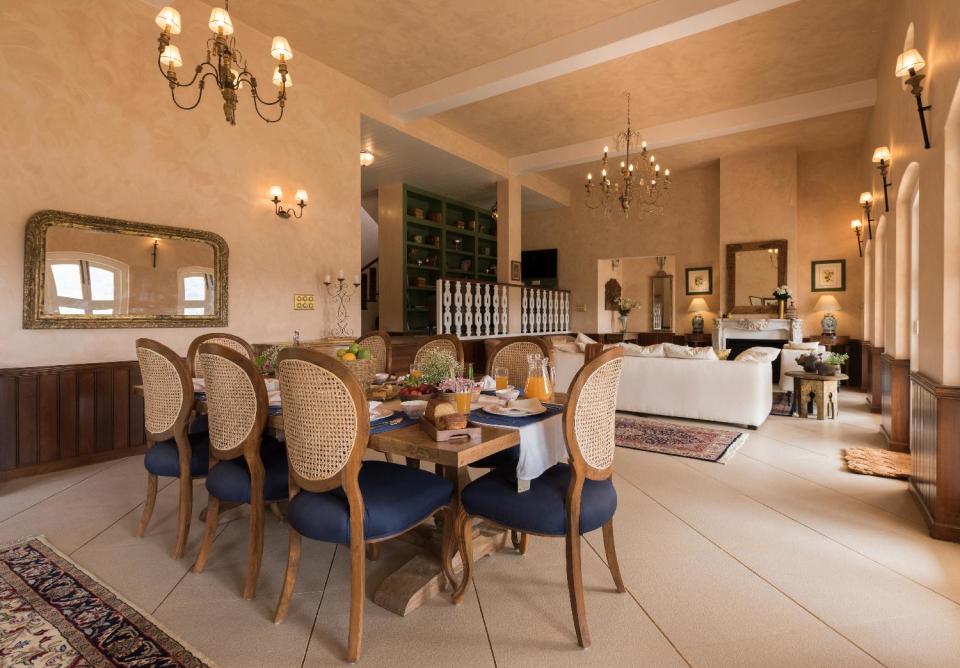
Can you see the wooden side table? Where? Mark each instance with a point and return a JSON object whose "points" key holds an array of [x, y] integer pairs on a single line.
{"points": [[811, 389]]}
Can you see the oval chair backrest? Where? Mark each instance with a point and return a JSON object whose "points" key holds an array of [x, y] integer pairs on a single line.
{"points": [[167, 389], [447, 343], [231, 341], [326, 421], [236, 400], [512, 355], [589, 419], [380, 347]]}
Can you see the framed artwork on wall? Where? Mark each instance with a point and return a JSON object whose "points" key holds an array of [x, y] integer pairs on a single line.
{"points": [[828, 276], [515, 270], [700, 281]]}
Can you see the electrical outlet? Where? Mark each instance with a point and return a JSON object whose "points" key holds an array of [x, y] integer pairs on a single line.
{"points": [[580, 308], [303, 302]]}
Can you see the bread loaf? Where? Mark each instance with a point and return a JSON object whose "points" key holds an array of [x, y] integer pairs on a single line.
{"points": [[455, 421], [437, 409]]}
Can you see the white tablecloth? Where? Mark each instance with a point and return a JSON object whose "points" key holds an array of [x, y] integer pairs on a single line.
{"points": [[541, 446]]}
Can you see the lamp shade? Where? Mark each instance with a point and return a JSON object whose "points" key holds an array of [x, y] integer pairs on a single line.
{"points": [[277, 80], [909, 60], [828, 303], [276, 192], [866, 198], [281, 48], [301, 197], [855, 225], [171, 56], [169, 18], [881, 154], [698, 304], [366, 158], [220, 22]]}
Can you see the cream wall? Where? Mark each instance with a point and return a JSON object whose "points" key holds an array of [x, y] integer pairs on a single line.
{"points": [[687, 230]]}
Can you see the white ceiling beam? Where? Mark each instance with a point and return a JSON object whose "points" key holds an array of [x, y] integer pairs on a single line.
{"points": [[639, 29], [709, 126]]}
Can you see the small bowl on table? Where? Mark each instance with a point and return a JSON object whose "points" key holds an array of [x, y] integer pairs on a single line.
{"points": [[414, 408]]}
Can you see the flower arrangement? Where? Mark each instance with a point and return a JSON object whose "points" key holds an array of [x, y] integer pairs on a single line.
{"points": [[455, 385], [783, 292], [266, 361], [626, 304], [437, 366]]}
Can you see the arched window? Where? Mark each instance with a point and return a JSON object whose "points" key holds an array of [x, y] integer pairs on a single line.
{"points": [[85, 284], [195, 290]]}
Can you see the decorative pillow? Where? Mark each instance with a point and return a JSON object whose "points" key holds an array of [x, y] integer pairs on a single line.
{"points": [[758, 354], [633, 350], [724, 354], [688, 353], [567, 347], [803, 345], [582, 341]]}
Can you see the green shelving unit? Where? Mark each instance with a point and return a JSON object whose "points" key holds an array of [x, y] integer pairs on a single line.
{"points": [[442, 238]]}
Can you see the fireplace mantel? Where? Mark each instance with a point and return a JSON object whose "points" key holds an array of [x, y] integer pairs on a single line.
{"points": [[776, 329]]}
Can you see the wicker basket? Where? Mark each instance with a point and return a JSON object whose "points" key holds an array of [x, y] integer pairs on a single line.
{"points": [[363, 370]]}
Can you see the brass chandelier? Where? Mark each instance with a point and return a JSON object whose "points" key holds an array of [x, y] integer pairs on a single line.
{"points": [[640, 183], [224, 64]]}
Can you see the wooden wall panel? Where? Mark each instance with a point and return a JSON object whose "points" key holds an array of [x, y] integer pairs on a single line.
{"points": [[55, 417], [895, 402], [935, 464]]}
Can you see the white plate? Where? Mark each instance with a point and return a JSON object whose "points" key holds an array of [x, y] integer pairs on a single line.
{"points": [[503, 411], [380, 413]]}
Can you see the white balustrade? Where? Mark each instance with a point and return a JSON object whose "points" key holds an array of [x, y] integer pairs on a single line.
{"points": [[545, 311], [474, 309]]}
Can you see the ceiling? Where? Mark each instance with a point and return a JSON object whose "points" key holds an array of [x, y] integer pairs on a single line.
{"points": [[396, 46]]}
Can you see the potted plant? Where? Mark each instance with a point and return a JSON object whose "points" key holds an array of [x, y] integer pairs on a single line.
{"points": [[624, 306], [831, 364], [810, 362], [782, 294]]}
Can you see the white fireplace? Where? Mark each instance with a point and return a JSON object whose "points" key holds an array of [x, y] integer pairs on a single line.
{"points": [[761, 329]]}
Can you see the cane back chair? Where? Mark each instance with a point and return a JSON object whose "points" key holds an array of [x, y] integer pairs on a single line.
{"points": [[231, 341], [381, 350], [447, 343]]}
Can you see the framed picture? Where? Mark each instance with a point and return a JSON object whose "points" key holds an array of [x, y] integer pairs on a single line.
{"points": [[828, 276], [700, 281], [515, 270]]}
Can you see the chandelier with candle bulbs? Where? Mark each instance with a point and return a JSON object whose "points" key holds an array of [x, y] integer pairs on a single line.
{"points": [[640, 184], [224, 64]]}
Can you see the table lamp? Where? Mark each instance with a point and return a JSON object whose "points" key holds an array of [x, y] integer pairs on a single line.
{"points": [[697, 306], [828, 303]]}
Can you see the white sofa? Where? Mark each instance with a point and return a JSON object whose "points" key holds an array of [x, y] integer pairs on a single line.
{"points": [[720, 391]]}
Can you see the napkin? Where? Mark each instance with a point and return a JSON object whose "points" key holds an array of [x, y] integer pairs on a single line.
{"points": [[488, 383], [532, 405], [198, 384], [274, 398]]}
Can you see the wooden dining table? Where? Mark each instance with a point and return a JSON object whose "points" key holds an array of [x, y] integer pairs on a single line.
{"points": [[421, 577]]}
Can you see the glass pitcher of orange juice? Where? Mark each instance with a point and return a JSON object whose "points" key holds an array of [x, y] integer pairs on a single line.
{"points": [[539, 381]]}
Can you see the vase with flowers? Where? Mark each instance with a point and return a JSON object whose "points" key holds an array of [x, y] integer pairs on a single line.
{"points": [[624, 306], [782, 294]]}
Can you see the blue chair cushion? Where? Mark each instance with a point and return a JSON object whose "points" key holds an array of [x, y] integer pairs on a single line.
{"points": [[230, 480], [162, 458], [508, 458], [395, 498], [542, 508], [199, 425]]}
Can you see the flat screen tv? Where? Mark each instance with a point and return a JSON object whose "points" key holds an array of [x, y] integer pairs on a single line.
{"points": [[539, 264]]}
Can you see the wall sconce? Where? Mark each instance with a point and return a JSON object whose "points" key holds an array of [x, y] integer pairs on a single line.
{"points": [[366, 158], [909, 63], [856, 226], [881, 157], [774, 254], [276, 194], [153, 253], [866, 201]]}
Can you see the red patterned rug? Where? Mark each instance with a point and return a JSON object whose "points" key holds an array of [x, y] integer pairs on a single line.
{"points": [[680, 440], [55, 614]]}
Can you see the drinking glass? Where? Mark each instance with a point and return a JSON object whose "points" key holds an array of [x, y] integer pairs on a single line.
{"points": [[502, 375], [464, 399]]}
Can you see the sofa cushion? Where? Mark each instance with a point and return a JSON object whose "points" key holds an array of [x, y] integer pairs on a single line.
{"points": [[758, 354], [583, 341], [633, 350], [802, 345], [688, 352], [566, 347], [724, 354]]}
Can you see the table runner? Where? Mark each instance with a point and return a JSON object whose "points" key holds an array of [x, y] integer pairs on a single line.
{"points": [[542, 442]]}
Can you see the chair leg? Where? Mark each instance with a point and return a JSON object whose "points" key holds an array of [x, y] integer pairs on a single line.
{"points": [[148, 504], [357, 595], [575, 584], [611, 549], [276, 512], [213, 514], [373, 551], [186, 509], [290, 579], [464, 531], [520, 540], [254, 549]]}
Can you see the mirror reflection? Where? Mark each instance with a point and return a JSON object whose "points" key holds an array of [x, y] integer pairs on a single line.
{"points": [[93, 272], [756, 276]]}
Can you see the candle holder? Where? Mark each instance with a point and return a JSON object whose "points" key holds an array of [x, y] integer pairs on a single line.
{"points": [[340, 294]]}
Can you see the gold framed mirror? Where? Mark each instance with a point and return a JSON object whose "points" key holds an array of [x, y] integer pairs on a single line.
{"points": [[88, 272], [754, 270]]}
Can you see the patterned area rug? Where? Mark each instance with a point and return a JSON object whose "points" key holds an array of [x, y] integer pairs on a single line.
{"points": [[680, 440], [55, 614], [871, 461], [781, 404]]}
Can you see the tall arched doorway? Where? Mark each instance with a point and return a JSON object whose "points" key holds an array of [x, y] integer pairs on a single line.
{"points": [[951, 242]]}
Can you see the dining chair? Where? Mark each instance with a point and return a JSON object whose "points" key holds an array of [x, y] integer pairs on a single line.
{"points": [[246, 465], [381, 350], [335, 496], [171, 451], [221, 338], [511, 354], [445, 342], [568, 499]]}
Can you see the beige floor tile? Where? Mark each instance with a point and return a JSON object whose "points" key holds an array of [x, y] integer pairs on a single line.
{"points": [[784, 650], [923, 641], [19, 494]]}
